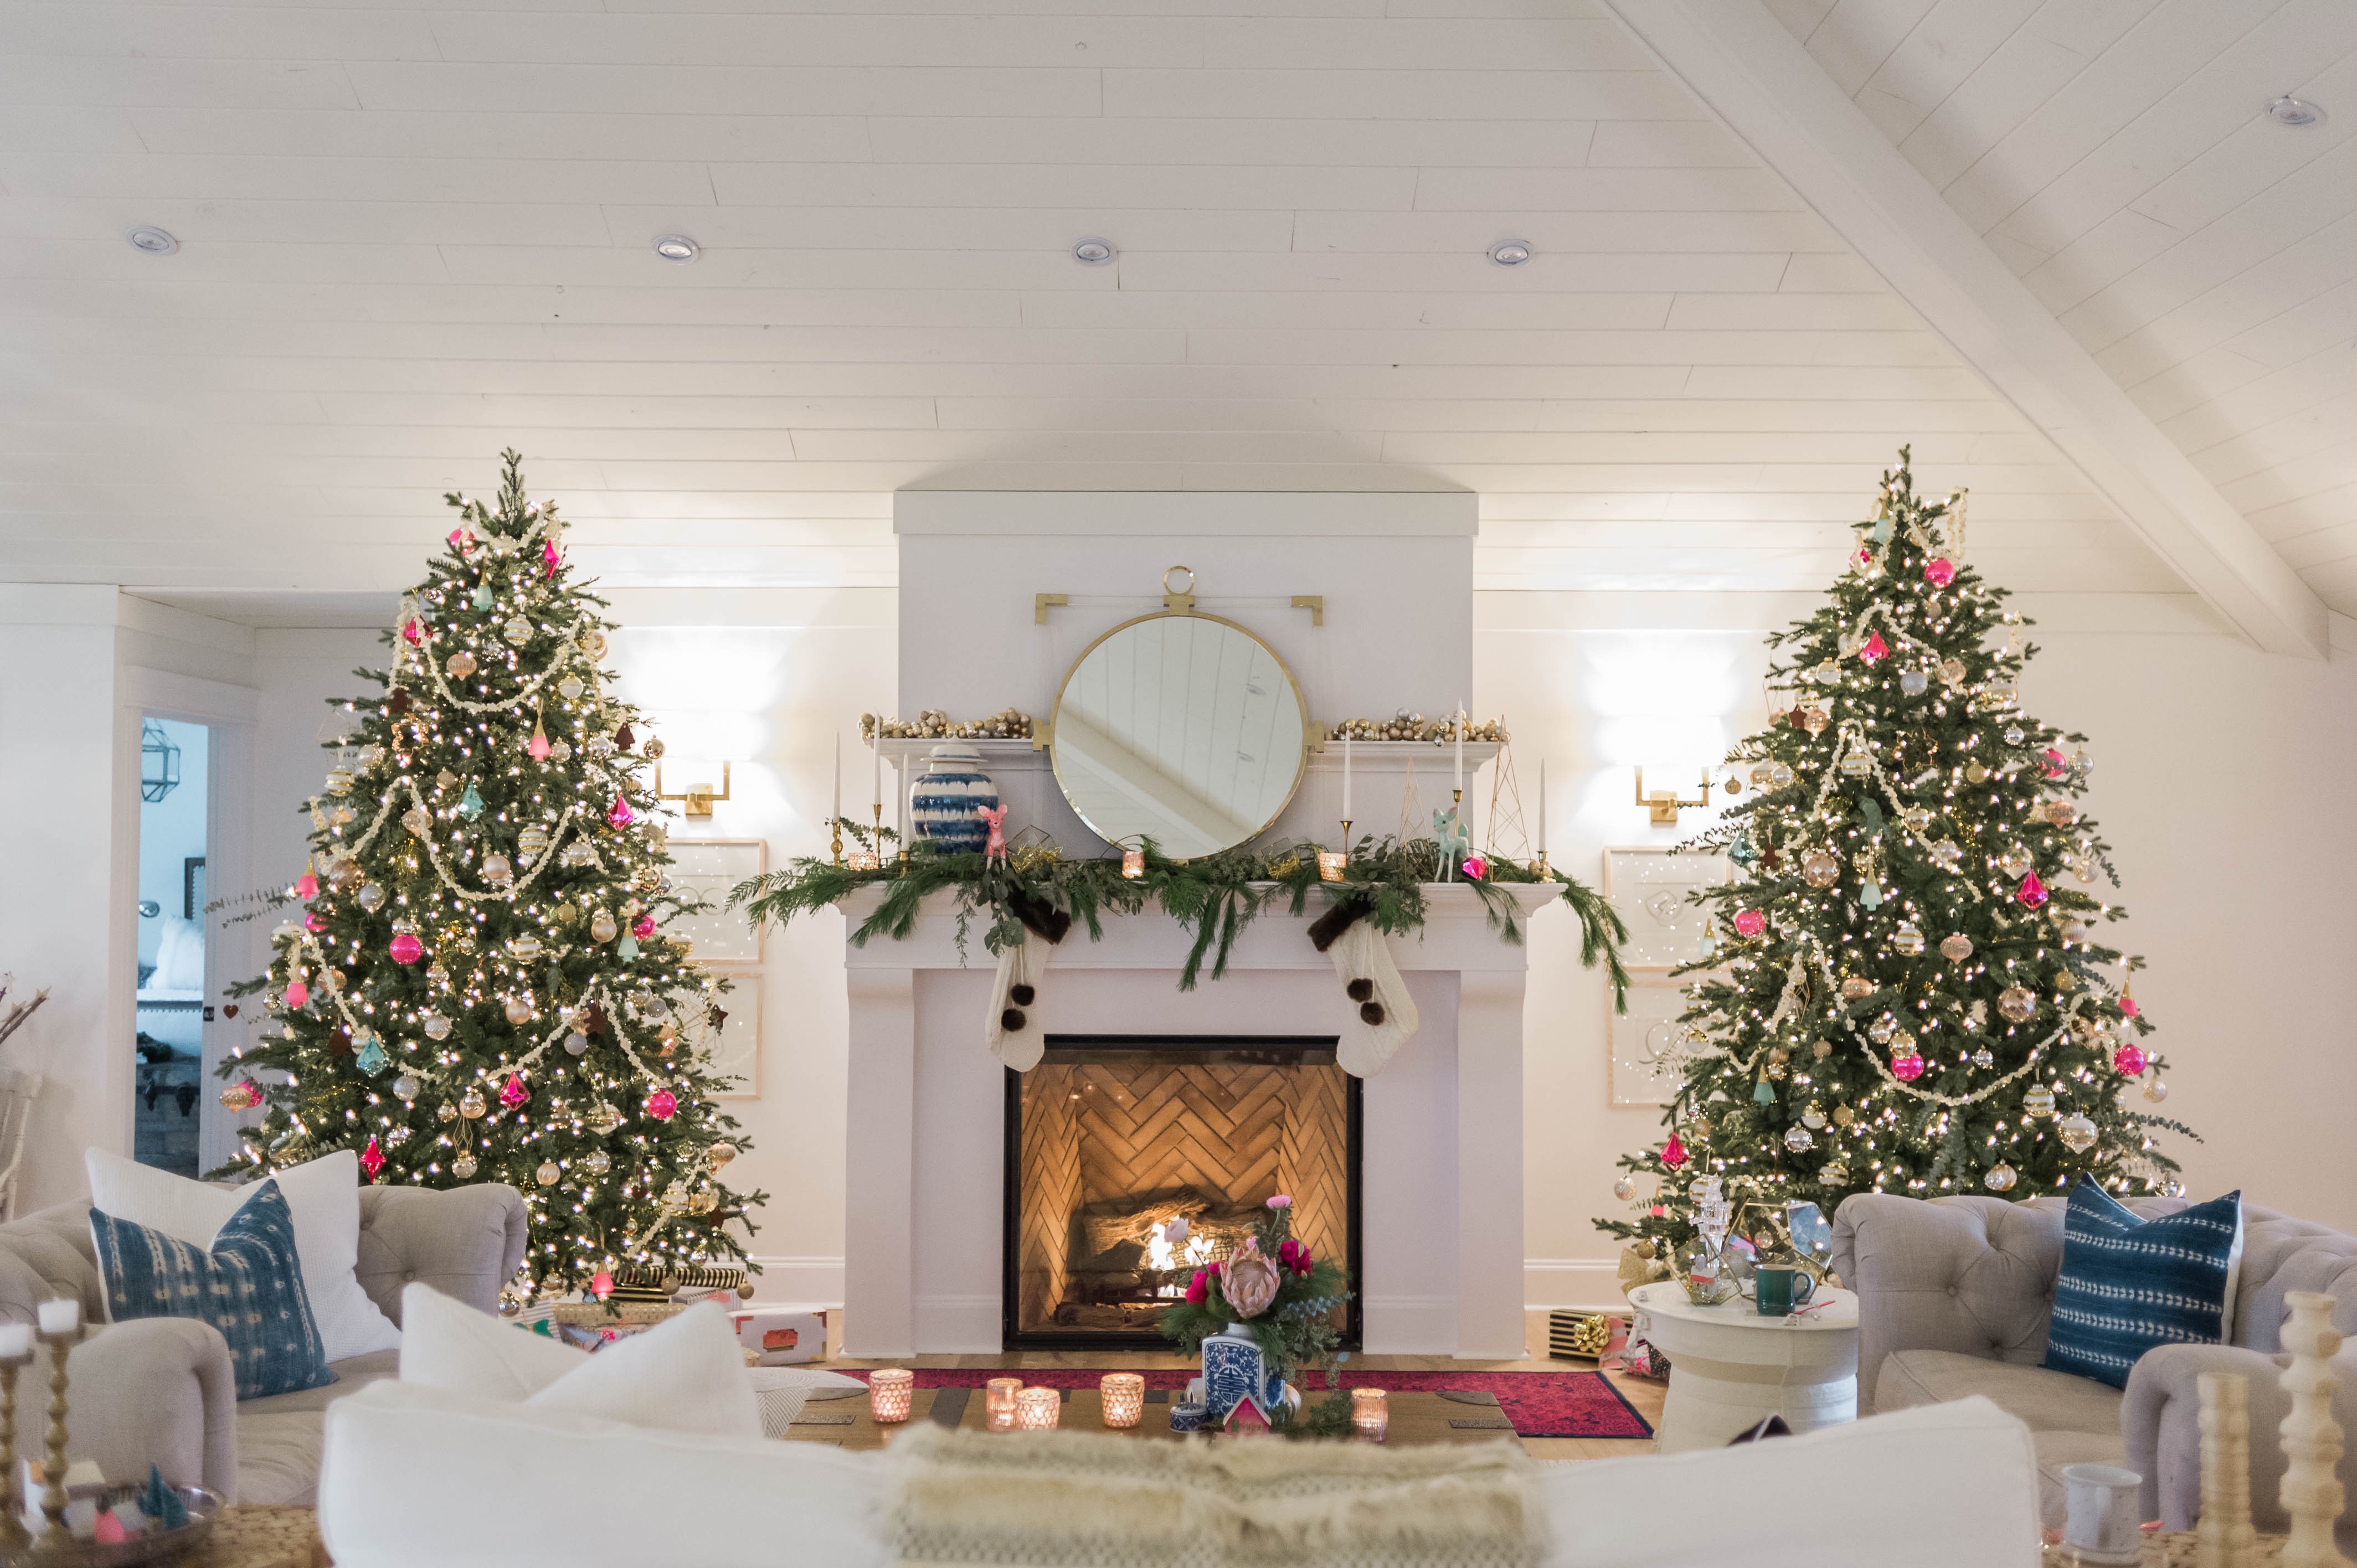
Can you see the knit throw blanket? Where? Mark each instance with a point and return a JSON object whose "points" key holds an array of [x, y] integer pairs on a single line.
{"points": [[1072, 1499]]}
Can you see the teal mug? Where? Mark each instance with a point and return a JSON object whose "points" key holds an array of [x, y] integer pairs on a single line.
{"points": [[1781, 1289]]}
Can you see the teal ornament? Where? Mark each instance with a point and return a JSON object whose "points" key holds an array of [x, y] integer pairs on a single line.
{"points": [[162, 1504], [626, 948], [1881, 531], [372, 1058], [1740, 851], [1871, 810], [1709, 943], [482, 595], [1870, 895], [1761, 1094], [470, 804]]}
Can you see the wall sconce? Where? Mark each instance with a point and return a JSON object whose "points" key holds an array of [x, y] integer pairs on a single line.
{"points": [[1665, 804], [699, 798]]}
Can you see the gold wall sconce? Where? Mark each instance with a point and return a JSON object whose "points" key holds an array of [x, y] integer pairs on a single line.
{"points": [[1665, 804], [699, 798]]}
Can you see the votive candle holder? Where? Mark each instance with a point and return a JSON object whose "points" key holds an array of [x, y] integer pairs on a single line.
{"points": [[1371, 1415], [1123, 1394], [891, 1391], [1133, 863], [998, 1403], [1037, 1409], [1333, 866]]}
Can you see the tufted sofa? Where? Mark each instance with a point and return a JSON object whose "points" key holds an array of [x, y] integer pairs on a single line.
{"points": [[1953, 1298], [160, 1389]]}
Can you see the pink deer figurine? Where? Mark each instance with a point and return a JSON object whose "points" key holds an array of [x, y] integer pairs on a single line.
{"points": [[996, 849]]}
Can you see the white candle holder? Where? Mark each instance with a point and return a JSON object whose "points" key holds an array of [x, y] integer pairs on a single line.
{"points": [[1371, 1415]]}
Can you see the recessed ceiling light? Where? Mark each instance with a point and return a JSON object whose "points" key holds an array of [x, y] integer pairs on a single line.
{"points": [[153, 240], [1511, 252], [676, 248], [1092, 252], [2290, 111]]}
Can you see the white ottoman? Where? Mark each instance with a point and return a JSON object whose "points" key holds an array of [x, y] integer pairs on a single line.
{"points": [[1729, 1367]]}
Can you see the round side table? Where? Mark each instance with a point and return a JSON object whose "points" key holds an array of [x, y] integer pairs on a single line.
{"points": [[1730, 1368]]}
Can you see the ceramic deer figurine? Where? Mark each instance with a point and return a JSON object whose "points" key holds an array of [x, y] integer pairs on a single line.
{"points": [[996, 850]]}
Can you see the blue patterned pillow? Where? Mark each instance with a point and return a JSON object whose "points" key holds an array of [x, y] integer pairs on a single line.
{"points": [[2128, 1284], [250, 1286]]}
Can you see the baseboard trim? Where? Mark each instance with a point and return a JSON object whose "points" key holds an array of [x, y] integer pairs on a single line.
{"points": [[959, 1324], [799, 1282], [1586, 1284]]}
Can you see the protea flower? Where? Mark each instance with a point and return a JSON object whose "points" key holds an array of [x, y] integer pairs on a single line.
{"points": [[1249, 1282]]}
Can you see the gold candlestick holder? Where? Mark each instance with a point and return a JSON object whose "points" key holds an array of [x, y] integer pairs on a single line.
{"points": [[14, 1536], [837, 826], [57, 1537], [1456, 826]]}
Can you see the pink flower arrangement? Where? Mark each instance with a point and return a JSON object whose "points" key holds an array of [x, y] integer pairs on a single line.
{"points": [[1199, 1289], [1280, 1201], [1293, 1256]]}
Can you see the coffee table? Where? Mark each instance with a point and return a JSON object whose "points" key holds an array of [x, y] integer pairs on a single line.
{"points": [[1416, 1418], [1730, 1368]]}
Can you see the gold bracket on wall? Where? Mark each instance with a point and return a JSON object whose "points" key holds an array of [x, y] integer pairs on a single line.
{"points": [[1040, 603], [699, 797], [1314, 739], [1043, 734], [1315, 604], [1179, 601]]}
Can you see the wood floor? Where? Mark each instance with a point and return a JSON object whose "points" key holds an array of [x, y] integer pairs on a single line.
{"points": [[1644, 1395]]}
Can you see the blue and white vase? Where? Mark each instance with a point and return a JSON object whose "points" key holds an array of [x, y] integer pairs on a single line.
{"points": [[1233, 1367], [946, 801]]}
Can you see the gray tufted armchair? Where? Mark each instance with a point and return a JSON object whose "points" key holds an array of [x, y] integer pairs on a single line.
{"points": [[1955, 1295], [159, 1390]]}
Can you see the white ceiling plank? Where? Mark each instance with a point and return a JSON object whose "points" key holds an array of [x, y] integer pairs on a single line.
{"points": [[1952, 42], [1744, 64], [1499, 141], [1303, 94], [1856, 36]]}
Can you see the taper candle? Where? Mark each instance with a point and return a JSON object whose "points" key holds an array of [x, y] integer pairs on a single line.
{"points": [[61, 1315], [1460, 746], [16, 1341], [1542, 808], [875, 776], [837, 815], [1346, 781]]}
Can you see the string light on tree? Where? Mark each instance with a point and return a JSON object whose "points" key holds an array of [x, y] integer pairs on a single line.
{"points": [[489, 794], [1911, 1000]]}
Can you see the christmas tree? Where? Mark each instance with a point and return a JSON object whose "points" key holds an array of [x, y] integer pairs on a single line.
{"points": [[1907, 989], [481, 988]]}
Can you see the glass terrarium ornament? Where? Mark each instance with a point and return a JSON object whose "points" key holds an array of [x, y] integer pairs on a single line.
{"points": [[599, 1161], [1947, 854], [2015, 860]]}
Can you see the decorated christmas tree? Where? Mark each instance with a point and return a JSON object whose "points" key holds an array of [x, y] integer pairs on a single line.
{"points": [[481, 988], [1909, 987]]}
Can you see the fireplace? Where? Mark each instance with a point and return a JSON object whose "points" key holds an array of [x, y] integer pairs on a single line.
{"points": [[1131, 1160]]}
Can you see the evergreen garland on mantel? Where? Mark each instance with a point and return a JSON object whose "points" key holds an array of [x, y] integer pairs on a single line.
{"points": [[1215, 897]]}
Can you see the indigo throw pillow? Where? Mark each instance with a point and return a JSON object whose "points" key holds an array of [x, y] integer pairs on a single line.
{"points": [[250, 1286], [2128, 1284]]}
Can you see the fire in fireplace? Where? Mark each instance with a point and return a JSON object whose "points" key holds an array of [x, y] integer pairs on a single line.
{"points": [[1133, 1160]]}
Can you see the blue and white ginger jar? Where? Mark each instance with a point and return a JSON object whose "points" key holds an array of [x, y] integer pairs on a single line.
{"points": [[947, 800]]}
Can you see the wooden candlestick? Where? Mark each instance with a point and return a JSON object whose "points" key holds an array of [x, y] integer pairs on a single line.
{"points": [[57, 1537], [2225, 1537], [2311, 1439], [14, 1536]]}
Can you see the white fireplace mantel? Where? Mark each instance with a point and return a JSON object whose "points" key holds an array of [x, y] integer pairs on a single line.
{"points": [[1442, 1162]]}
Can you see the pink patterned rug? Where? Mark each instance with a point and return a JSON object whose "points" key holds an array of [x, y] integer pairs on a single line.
{"points": [[1540, 1405]]}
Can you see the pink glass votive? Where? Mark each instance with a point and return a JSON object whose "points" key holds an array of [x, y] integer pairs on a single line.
{"points": [[1123, 1394], [998, 1403], [1035, 1409], [891, 1391], [1371, 1414]]}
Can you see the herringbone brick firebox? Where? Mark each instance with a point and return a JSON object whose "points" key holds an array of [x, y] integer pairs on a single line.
{"points": [[1134, 1160]]}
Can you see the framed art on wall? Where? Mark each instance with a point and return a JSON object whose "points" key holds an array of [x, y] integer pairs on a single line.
{"points": [[733, 1045], [1648, 887], [706, 869], [1648, 1062]]}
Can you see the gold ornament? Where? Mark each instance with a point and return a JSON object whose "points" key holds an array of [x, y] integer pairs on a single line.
{"points": [[2016, 1003], [1975, 774], [448, 1111], [464, 1167], [2154, 1089], [1908, 939], [2061, 813], [1834, 1174], [519, 1011], [1814, 1116], [1822, 1049], [606, 1118], [1624, 1189], [533, 842], [1855, 988], [417, 821], [1815, 720], [497, 871], [602, 927], [471, 1104], [599, 1162], [2015, 860], [547, 1174], [653, 748], [460, 665], [1819, 868], [716, 1158], [1844, 1115], [1952, 673], [2000, 1179], [1917, 818], [1955, 946], [2039, 1102], [2077, 1132]]}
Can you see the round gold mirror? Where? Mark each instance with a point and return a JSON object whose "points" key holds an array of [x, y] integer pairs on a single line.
{"points": [[1183, 728]]}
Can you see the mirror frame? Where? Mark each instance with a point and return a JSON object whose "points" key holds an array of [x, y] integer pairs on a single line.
{"points": [[1301, 764]]}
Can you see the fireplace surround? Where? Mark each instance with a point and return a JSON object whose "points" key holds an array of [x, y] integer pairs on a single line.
{"points": [[1131, 1160]]}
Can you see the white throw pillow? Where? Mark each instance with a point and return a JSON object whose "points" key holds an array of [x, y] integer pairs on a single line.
{"points": [[683, 1375], [324, 1197]]}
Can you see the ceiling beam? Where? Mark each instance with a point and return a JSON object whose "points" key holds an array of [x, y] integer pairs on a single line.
{"points": [[1767, 89]]}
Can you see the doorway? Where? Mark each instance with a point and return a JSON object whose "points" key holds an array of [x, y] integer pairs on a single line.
{"points": [[175, 812]]}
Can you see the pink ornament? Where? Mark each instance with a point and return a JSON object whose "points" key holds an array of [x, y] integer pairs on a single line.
{"points": [[996, 850], [108, 1530], [1874, 648], [2056, 765], [512, 1093], [601, 1284], [461, 541], [538, 744], [2128, 1006], [662, 1104], [548, 555], [298, 994], [307, 886], [408, 948], [621, 816], [1674, 1153], [372, 1158], [2032, 892], [1907, 1068], [1939, 571], [1750, 922], [1476, 867], [1657, 1211], [411, 633], [313, 921], [643, 927], [2128, 1061], [1864, 556]]}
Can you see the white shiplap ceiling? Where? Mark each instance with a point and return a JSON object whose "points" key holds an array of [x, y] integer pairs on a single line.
{"points": [[2117, 156], [413, 235]]}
